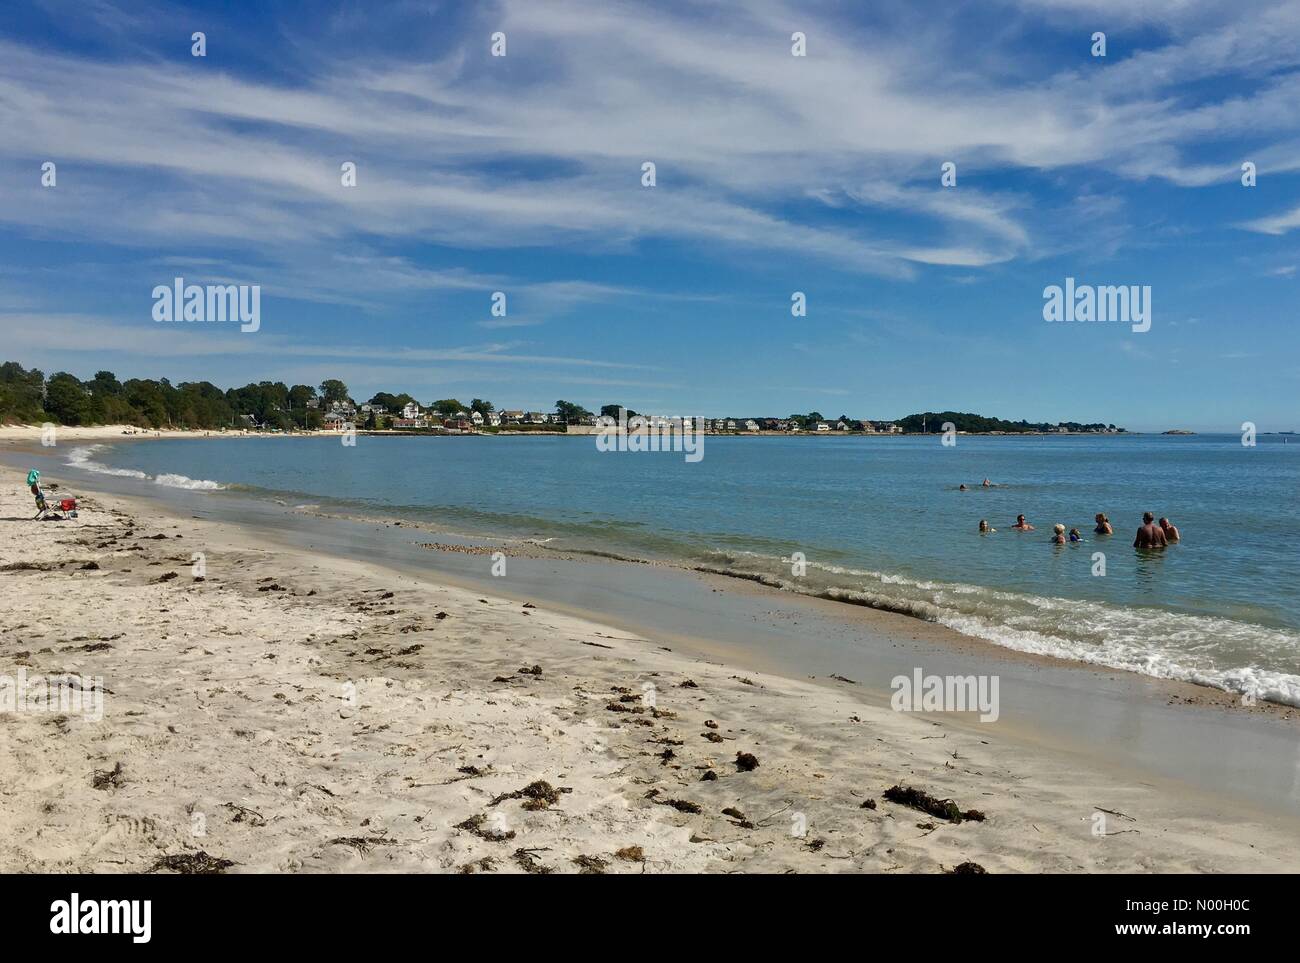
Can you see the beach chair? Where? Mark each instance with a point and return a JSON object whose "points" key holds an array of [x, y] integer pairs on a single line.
{"points": [[61, 510]]}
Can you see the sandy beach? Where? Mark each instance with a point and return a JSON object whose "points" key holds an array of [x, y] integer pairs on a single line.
{"points": [[270, 708]]}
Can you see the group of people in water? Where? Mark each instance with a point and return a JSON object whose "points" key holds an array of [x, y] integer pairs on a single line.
{"points": [[1152, 534]]}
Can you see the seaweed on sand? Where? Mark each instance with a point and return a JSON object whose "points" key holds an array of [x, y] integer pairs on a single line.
{"points": [[191, 864], [108, 779], [590, 865], [361, 844], [681, 805], [475, 825], [942, 808], [536, 795], [529, 862]]}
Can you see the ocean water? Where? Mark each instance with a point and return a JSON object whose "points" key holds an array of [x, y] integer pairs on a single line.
{"points": [[879, 521]]}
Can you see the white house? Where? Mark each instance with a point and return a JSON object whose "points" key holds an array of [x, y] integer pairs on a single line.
{"points": [[411, 411]]}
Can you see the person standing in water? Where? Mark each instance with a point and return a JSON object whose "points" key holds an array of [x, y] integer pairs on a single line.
{"points": [[1058, 534], [1103, 525], [1150, 535], [1171, 532], [984, 527], [1022, 525]]}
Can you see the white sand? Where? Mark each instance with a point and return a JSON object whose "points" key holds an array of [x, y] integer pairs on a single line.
{"points": [[292, 732]]}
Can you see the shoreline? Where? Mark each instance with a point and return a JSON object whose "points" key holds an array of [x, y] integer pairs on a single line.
{"points": [[133, 433], [1187, 690], [273, 669]]}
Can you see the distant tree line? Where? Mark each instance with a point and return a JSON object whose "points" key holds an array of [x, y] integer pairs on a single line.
{"points": [[27, 396], [932, 422]]}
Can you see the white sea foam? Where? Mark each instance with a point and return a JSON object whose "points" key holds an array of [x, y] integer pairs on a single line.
{"points": [[194, 484], [83, 458], [1206, 650]]}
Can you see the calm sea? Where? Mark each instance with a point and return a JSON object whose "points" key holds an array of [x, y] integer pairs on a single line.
{"points": [[879, 521]]}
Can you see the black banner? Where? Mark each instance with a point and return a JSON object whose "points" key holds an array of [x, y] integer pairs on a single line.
{"points": [[329, 913]]}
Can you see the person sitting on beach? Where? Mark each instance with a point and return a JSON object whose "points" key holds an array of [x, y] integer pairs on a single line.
{"points": [[1103, 525], [1075, 536], [1150, 535], [1170, 530], [1058, 534], [1022, 525], [984, 527]]}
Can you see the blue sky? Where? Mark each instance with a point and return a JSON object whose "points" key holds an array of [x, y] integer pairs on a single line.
{"points": [[775, 174]]}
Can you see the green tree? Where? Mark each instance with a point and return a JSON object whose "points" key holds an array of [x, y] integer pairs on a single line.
{"points": [[333, 390], [21, 393], [67, 399], [482, 407], [390, 402], [447, 407], [570, 412]]}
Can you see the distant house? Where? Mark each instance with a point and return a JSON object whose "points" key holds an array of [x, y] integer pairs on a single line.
{"points": [[751, 424], [822, 426], [409, 423], [512, 417], [536, 418], [494, 419], [410, 411], [457, 423], [731, 424], [476, 417], [336, 419], [842, 426]]}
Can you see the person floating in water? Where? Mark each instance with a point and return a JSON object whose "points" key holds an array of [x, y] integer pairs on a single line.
{"points": [[1103, 525], [1150, 535], [962, 487], [1058, 534], [986, 483], [984, 527], [1022, 525], [1171, 532]]}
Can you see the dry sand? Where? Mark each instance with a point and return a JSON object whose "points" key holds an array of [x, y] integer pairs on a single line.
{"points": [[295, 712]]}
